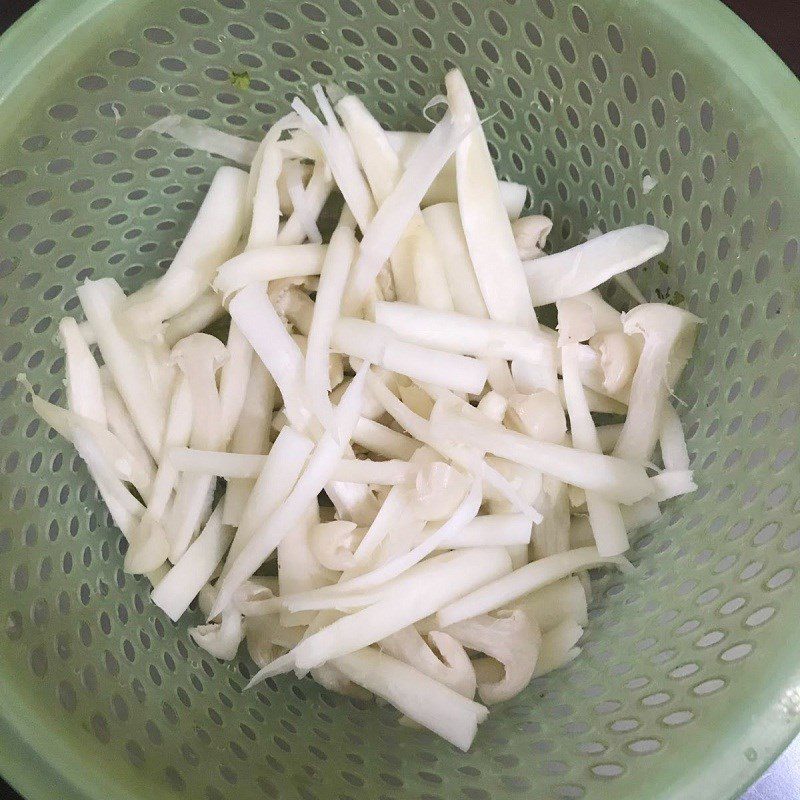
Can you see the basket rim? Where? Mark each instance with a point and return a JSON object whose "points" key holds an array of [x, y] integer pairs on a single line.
{"points": [[36, 759]]}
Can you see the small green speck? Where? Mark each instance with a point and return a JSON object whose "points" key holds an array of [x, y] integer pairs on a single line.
{"points": [[663, 266], [241, 80], [678, 299]]}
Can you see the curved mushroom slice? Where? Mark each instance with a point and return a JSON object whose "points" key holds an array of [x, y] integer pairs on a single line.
{"points": [[315, 195], [182, 583], [533, 576], [530, 234], [262, 190], [202, 137], [196, 318], [269, 263], [250, 436], [257, 318], [339, 155], [451, 666], [444, 189], [444, 222], [439, 489], [620, 479], [220, 639], [334, 543], [604, 315], [551, 605], [399, 208], [430, 276], [298, 567], [327, 308], [121, 425], [511, 637], [604, 514], [85, 390]]}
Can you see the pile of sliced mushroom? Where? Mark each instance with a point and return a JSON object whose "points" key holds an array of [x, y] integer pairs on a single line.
{"points": [[389, 473]]}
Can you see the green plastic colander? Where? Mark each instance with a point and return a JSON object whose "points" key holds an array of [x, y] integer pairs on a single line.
{"points": [[689, 683]]}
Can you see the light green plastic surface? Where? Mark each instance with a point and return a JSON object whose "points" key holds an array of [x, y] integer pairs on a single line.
{"points": [[689, 683]]}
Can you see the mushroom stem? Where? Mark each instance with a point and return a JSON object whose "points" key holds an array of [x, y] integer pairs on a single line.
{"points": [[668, 332]]}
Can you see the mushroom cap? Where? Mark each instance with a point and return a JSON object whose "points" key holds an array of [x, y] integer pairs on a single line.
{"points": [[221, 639], [618, 358], [541, 415], [439, 488], [661, 319], [198, 347], [494, 405], [333, 544]]}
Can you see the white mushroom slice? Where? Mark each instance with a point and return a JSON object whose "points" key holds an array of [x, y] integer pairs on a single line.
{"points": [[199, 357], [206, 309], [486, 225], [198, 136], [211, 240], [124, 357], [434, 581], [422, 699], [551, 535], [533, 576], [510, 637], [258, 634], [672, 441], [181, 584], [269, 263], [624, 481], [451, 666], [587, 265]]}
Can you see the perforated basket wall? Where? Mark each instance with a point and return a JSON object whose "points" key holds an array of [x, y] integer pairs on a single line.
{"points": [[686, 687]]}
